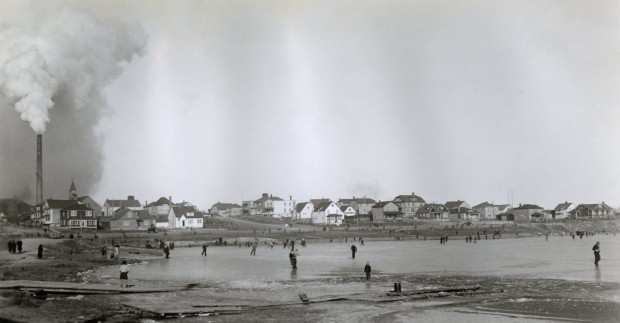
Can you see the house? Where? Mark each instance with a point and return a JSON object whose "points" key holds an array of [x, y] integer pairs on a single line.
{"points": [[591, 211], [456, 204], [51, 211], [184, 217], [249, 208], [327, 213], [110, 206], [489, 211], [523, 212], [269, 205], [433, 211], [562, 211], [407, 204], [78, 216], [363, 206], [349, 211], [303, 212], [126, 219], [506, 216], [226, 209], [385, 210], [463, 214], [159, 207]]}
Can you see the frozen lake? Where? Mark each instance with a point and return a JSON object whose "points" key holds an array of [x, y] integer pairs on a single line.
{"points": [[559, 258]]}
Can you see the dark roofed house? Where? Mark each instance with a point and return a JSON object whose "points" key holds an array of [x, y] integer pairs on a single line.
{"points": [[51, 211], [78, 216], [110, 206], [433, 211], [408, 204], [592, 211]]}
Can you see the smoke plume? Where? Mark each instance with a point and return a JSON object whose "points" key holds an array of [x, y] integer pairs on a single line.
{"points": [[55, 62]]}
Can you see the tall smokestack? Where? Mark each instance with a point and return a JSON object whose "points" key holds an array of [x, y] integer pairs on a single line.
{"points": [[39, 169]]}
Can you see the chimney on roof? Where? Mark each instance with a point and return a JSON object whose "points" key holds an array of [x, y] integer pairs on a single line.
{"points": [[290, 197], [270, 195], [170, 200], [265, 194], [130, 197]]}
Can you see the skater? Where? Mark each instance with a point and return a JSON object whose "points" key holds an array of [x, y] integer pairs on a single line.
{"points": [[353, 251], [104, 252], [204, 249], [124, 273], [292, 256], [367, 270], [292, 245], [19, 246], [253, 252], [167, 251], [40, 252], [597, 253], [117, 251]]}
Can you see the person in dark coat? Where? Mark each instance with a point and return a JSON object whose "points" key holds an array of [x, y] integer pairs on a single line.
{"points": [[367, 270], [204, 249], [353, 251], [40, 252], [19, 246], [597, 253], [167, 251], [293, 258]]}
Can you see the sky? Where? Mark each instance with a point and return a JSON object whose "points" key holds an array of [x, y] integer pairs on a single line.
{"points": [[221, 101]]}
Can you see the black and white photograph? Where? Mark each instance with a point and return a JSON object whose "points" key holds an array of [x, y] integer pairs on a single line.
{"points": [[377, 161]]}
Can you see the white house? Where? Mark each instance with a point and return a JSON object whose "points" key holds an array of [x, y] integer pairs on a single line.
{"points": [[184, 217], [562, 211], [327, 213], [348, 211], [303, 211], [283, 208]]}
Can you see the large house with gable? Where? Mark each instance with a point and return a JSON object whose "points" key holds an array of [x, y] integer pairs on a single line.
{"points": [[408, 205], [78, 216], [273, 206], [110, 206]]}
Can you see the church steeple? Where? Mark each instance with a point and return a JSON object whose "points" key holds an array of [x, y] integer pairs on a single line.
{"points": [[72, 191]]}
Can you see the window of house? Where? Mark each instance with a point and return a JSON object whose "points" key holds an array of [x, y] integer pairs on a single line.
{"points": [[89, 213], [125, 223], [73, 213]]}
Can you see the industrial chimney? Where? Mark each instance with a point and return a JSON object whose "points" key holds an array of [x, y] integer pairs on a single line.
{"points": [[39, 169]]}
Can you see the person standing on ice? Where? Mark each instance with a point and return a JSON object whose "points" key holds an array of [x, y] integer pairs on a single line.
{"points": [[253, 252], [367, 270], [597, 253], [353, 251], [292, 256]]}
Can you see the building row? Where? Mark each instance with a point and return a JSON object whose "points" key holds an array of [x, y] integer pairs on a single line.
{"points": [[129, 214]]}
